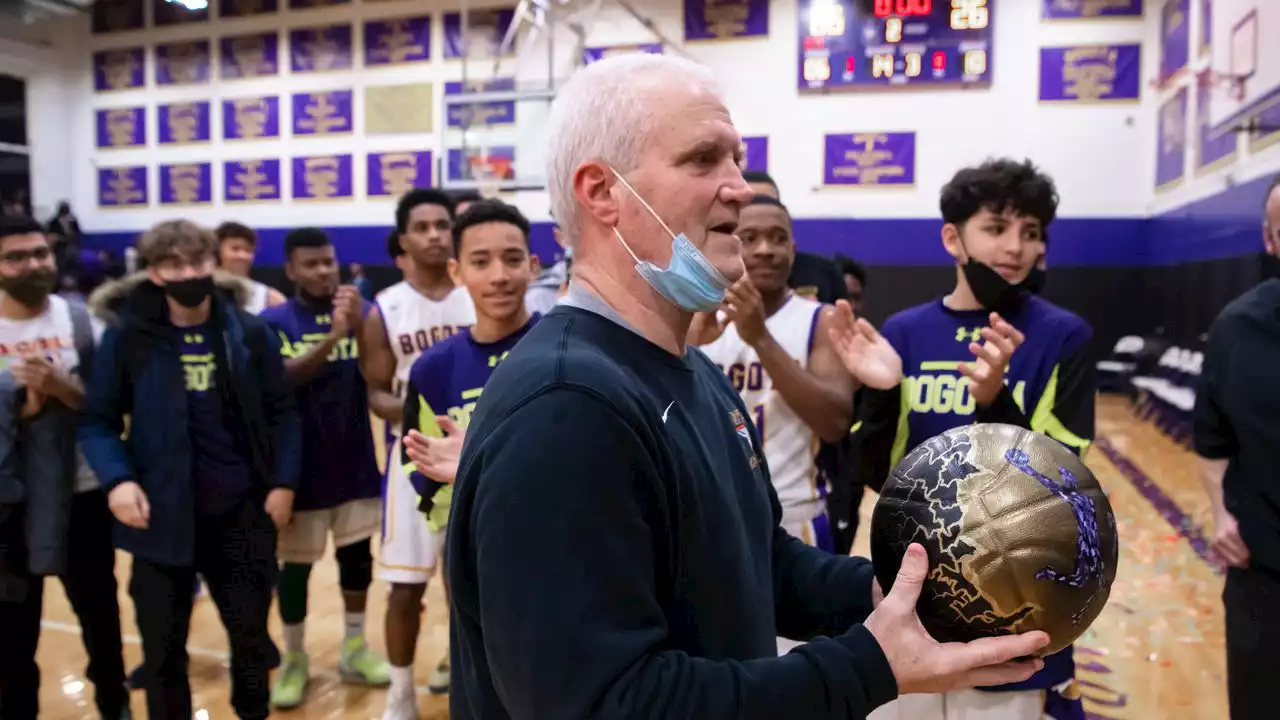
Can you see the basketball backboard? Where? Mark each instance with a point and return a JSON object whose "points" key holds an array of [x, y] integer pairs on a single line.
{"points": [[1247, 69], [495, 135]]}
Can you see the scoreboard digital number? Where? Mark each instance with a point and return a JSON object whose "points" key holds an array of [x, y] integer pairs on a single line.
{"points": [[870, 44]]}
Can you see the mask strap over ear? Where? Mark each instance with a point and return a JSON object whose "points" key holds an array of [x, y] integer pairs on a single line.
{"points": [[646, 205]]}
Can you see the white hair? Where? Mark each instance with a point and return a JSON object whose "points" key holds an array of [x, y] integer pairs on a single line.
{"points": [[605, 113]]}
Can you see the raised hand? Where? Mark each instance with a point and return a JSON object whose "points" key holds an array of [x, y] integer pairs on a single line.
{"points": [[865, 353], [436, 457], [744, 307], [346, 310], [706, 328], [987, 373]]}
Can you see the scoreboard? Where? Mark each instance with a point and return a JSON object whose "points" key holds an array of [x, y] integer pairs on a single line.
{"points": [[872, 44]]}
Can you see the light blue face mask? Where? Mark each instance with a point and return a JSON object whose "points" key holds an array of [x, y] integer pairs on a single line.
{"points": [[691, 282]]}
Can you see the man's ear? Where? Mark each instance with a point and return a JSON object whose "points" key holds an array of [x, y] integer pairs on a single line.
{"points": [[154, 276], [593, 187], [454, 271], [951, 241]]}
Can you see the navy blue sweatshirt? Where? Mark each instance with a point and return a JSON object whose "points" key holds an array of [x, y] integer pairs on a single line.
{"points": [[615, 552]]}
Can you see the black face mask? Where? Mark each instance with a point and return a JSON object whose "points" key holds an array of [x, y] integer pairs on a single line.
{"points": [[1270, 266], [30, 288], [191, 292], [995, 293]]}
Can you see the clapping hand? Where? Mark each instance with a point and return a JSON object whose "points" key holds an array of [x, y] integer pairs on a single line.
{"points": [[346, 310], [987, 374], [436, 457], [865, 353]]}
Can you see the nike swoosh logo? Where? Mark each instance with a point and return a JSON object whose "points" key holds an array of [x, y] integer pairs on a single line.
{"points": [[664, 412]]}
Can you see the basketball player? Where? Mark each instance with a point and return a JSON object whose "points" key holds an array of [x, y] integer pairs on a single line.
{"points": [[338, 491], [776, 349], [996, 216], [407, 318], [812, 276], [53, 513], [237, 246]]}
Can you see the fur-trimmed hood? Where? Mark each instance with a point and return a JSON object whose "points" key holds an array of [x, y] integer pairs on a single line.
{"points": [[110, 298]]}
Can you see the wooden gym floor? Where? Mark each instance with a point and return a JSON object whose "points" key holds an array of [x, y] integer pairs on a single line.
{"points": [[1156, 651]]}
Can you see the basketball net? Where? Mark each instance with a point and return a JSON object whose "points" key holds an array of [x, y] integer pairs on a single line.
{"points": [[488, 171], [1231, 85]]}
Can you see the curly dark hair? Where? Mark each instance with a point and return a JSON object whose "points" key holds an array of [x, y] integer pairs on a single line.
{"points": [[421, 196], [999, 186]]}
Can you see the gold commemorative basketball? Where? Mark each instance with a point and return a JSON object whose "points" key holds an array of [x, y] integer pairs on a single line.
{"points": [[1019, 533]]}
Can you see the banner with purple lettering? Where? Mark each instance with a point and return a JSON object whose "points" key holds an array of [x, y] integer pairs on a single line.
{"points": [[185, 123], [484, 32], [122, 187], [252, 118], [166, 13], [501, 160], [1212, 151], [871, 159], [481, 114], [1206, 28], [122, 127], [246, 8], [397, 41], [1171, 141], [322, 177], [251, 181], [757, 153], [595, 54], [392, 174], [311, 4], [123, 69], [321, 49], [112, 16], [249, 56], [322, 113], [1078, 9], [725, 19], [183, 63], [1091, 74], [186, 184], [1175, 37]]}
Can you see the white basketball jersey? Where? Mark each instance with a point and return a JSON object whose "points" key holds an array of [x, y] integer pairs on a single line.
{"points": [[415, 322], [258, 295], [790, 446]]}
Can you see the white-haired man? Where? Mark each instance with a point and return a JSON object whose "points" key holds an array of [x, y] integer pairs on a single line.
{"points": [[614, 549]]}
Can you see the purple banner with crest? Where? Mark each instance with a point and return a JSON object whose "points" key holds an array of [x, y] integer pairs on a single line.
{"points": [[594, 54], [481, 114], [458, 162], [183, 63], [112, 16], [251, 118], [1077, 9], [249, 56], [1175, 36], [1212, 151], [397, 41], [320, 49], [186, 183], [725, 19], [1171, 141], [322, 113], [250, 181], [1087, 74], [392, 174], [122, 127], [485, 30], [122, 187], [757, 153], [123, 69], [166, 13], [185, 123], [322, 177], [869, 159], [246, 8]]}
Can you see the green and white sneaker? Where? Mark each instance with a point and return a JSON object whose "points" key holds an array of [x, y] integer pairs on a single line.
{"points": [[359, 665], [291, 683], [438, 680]]}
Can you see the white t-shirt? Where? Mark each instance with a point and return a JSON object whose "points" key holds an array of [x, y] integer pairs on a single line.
{"points": [[51, 334]]}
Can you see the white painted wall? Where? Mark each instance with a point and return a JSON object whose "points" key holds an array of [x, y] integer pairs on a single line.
{"points": [[1101, 156]]}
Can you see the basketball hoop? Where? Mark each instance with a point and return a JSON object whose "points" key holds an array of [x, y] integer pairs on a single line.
{"points": [[489, 171], [1232, 85]]}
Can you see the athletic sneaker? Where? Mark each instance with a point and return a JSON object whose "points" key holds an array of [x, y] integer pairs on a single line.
{"points": [[291, 684], [361, 666], [438, 680], [404, 707]]}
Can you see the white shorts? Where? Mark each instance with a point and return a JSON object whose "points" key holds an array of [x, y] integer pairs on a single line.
{"points": [[305, 539], [966, 705], [409, 549]]}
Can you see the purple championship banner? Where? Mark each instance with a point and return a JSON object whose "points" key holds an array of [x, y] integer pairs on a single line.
{"points": [[322, 177], [251, 181], [485, 30], [1206, 29], [757, 153], [725, 19], [1091, 74], [596, 54], [320, 49], [183, 63], [481, 114], [1212, 151], [322, 113], [186, 183], [166, 14], [123, 69], [122, 187], [185, 123], [458, 163], [249, 56], [121, 128], [1175, 37], [1171, 141], [1089, 9], [392, 174], [253, 118], [246, 8], [869, 159], [112, 16], [397, 41]]}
